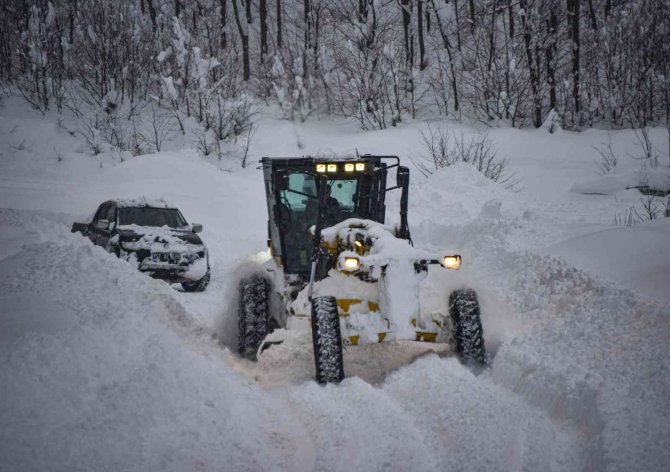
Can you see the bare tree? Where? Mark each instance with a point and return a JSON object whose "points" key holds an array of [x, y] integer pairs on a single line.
{"points": [[263, 16], [243, 30], [574, 25]]}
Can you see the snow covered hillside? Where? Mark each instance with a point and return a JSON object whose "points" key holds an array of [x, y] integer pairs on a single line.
{"points": [[103, 368]]}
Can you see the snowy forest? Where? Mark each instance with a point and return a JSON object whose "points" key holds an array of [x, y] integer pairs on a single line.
{"points": [[594, 62], [206, 212]]}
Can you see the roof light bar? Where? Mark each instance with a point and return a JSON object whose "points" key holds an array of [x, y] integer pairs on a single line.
{"points": [[323, 167]]}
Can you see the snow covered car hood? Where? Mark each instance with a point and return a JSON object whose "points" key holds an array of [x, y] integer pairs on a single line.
{"points": [[154, 239]]}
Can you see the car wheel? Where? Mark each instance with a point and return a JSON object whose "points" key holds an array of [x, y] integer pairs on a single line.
{"points": [[113, 248], [197, 285]]}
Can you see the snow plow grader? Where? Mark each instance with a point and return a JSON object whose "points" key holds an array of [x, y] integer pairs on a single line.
{"points": [[338, 270]]}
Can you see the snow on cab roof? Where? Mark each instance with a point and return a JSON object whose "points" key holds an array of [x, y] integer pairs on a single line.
{"points": [[323, 156], [143, 202]]}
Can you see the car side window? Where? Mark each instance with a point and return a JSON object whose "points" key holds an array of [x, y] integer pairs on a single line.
{"points": [[101, 214], [111, 215]]}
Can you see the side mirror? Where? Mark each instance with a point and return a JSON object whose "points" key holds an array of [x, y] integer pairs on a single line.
{"points": [[197, 227], [102, 224], [402, 176], [80, 228]]}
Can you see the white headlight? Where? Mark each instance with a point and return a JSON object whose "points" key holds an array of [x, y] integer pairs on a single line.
{"points": [[351, 263], [452, 262]]}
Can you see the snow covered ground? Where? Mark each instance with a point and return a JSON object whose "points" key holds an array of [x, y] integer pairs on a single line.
{"points": [[103, 368]]}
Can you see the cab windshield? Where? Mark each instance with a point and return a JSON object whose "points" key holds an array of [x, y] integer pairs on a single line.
{"points": [[301, 192], [298, 208], [145, 216]]}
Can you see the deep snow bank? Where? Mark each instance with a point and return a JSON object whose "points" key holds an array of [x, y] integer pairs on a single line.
{"points": [[587, 352], [103, 369], [637, 257]]}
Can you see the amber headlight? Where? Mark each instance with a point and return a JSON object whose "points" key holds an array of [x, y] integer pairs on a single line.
{"points": [[351, 263], [332, 167], [349, 167], [452, 262], [321, 168]]}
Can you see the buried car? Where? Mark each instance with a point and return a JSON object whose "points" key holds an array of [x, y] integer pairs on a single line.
{"points": [[155, 236]]}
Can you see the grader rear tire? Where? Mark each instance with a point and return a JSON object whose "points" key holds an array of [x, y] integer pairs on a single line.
{"points": [[253, 315]]}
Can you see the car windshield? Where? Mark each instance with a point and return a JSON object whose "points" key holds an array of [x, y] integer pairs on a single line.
{"points": [[151, 217]]}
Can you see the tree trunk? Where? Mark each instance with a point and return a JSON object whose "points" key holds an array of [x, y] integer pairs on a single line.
{"points": [[458, 26], [427, 19], [511, 18], [472, 16], [244, 36], [263, 14], [152, 14], [362, 11], [532, 68], [492, 42], [573, 21], [177, 8], [306, 13], [224, 25], [594, 21], [551, 51], [422, 48], [406, 25], [447, 46], [279, 30], [73, 12]]}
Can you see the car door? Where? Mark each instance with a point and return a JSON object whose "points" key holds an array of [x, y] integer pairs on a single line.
{"points": [[99, 230], [107, 232]]}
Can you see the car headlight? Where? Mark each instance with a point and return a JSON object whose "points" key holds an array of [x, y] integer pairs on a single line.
{"points": [[452, 262], [192, 257], [351, 263]]}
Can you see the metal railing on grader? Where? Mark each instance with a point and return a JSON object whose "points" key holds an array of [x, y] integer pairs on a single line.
{"points": [[338, 270]]}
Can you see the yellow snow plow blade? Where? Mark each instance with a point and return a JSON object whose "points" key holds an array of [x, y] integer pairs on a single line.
{"points": [[345, 304]]}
